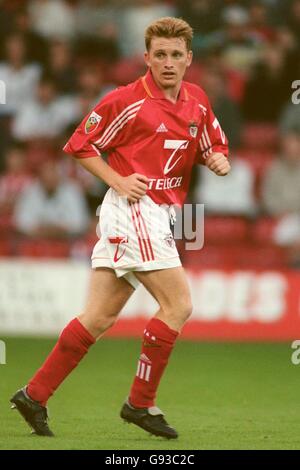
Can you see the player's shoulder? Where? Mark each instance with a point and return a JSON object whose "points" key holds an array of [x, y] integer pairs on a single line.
{"points": [[196, 92], [123, 96]]}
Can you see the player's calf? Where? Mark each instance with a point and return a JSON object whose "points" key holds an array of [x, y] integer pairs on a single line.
{"points": [[97, 324]]}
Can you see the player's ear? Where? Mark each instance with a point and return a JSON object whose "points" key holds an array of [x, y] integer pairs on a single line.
{"points": [[146, 58], [189, 58]]}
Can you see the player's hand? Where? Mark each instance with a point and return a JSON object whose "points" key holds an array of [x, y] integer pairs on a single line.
{"points": [[134, 187], [218, 163]]}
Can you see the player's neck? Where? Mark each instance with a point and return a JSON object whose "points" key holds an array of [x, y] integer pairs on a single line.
{"points": [[172, 94]]}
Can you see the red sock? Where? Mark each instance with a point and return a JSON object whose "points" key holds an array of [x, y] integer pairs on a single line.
{"points": [[72, 345], [158, 342]]}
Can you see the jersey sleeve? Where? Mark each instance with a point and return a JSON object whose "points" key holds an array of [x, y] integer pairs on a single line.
{"points": [[103, 128], [212, 138]]}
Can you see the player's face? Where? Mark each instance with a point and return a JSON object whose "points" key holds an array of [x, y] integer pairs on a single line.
{"points": [[168, 59]]}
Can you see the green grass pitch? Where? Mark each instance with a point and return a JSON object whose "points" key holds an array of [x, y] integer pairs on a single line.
{"points": [[217, 395]]}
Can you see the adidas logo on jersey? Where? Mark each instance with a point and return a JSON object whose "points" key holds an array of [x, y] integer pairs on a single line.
{"points": [[162, 128]]}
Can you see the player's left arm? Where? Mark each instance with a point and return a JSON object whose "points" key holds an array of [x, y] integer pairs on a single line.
{"points": [[213, 144], [218, 163]]}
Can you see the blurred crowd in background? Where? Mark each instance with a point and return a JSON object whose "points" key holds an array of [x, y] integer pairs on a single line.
{"points": [[59, 57]]}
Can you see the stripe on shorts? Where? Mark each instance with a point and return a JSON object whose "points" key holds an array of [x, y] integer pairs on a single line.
{"points": [[137, 232], [146, 230], [145, 235]]}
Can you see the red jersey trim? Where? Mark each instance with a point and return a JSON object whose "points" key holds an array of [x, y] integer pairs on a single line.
{"points": [[146, 87]]}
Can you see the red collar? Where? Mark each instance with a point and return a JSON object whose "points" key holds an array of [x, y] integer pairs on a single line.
{"points": [[156, 93]]}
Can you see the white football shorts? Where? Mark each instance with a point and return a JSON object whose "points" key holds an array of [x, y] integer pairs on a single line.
{"points": [[134, 237]]}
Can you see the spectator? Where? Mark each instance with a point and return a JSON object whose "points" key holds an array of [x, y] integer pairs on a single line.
{"points": [[259, 23], [46, 116], [294, 19], [53, 18], [36, 44], [52, 207], [287, 234], [233, 195], [285, 174], [281, 187], [19, 77], [202, 15], [268, 85], [290, 118], [97, 26], [97, 18], [240, 47], [91, 88], [133, 21], [60, 66], [225, 108], [6, 20], [13, 181]]}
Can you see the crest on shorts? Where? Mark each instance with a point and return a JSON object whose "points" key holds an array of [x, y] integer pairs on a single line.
{"points": [[118, 241], [92, 122], [193, 129], [169, 240]]}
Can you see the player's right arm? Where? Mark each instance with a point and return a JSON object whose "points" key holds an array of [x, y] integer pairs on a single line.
{"points": [[133, 187], [105, 128]]}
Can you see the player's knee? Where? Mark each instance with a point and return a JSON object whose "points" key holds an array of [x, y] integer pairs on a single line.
{"points": [[186, 309], [179, 311], [97, 323]]}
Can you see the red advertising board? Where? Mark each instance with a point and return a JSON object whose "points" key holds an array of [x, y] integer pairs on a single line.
{"points": [[232, 305]]}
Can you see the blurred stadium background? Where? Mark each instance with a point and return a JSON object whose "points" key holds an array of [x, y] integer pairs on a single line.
{"points": [[58, 58]]}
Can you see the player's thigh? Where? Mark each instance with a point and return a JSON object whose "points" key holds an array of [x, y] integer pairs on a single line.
{"points": [[170, 288], [107, 295]]}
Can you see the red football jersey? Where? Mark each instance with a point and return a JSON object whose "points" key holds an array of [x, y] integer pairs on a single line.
{"points": [[143, 132]]}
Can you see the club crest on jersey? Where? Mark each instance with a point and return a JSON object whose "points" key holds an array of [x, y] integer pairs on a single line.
{"points": [[193, 129], [92, 122]]}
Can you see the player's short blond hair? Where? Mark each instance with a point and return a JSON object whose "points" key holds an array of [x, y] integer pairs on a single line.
{"points": [[169, 27]]}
